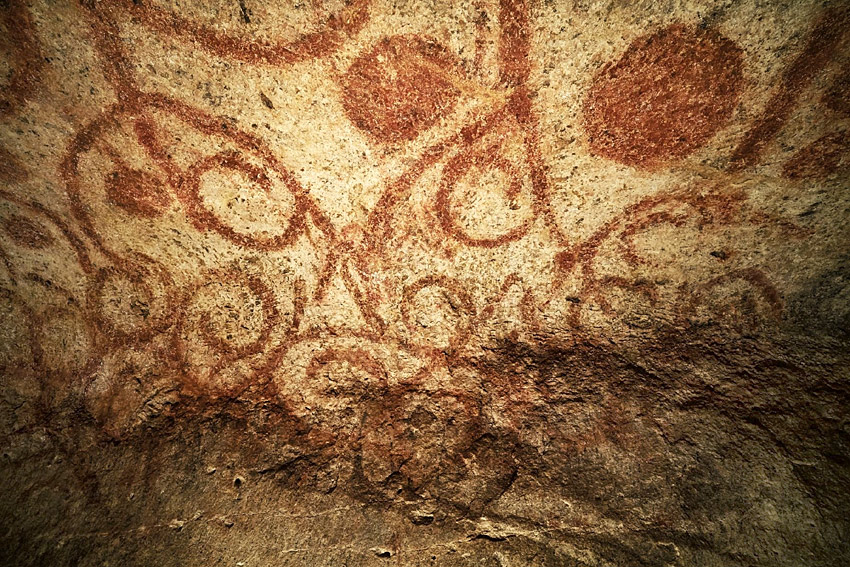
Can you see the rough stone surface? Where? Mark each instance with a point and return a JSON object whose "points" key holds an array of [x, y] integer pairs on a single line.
{"points": [[489, 282]]}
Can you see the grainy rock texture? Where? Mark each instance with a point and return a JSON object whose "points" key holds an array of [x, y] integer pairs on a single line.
{"points": [[371, 282]]}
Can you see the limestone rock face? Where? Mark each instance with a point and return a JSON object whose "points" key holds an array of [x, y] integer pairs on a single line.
{"points": [[370, 282]]}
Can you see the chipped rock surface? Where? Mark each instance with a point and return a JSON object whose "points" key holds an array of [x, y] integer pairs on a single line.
{"points": [[372, 282]]}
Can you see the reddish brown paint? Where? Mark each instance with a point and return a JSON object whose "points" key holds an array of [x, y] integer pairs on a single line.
{"points": [[205, 219], [825, 156], [754, 278], [11, 170], [226, 353], [355, 357], [355, 258], [27, 233], [461, 301], [147, 275], [837, 97], [271, 318], [400, 88], [821, 45], [665, 97], [330, 36], [71, 237], [481, 32], [454, 171], [21, 49], [186, 184], [514, 65], [137, 192], [717, 206], [380, 222], [33, 323]]}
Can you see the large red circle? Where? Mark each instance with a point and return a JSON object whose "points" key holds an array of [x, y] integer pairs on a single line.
{"points": [[399, 88], [667, 95]]}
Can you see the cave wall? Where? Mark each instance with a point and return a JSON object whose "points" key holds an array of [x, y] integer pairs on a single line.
{"points": [[424, 283]]}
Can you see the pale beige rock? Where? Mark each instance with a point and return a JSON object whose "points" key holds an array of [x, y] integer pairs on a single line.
{"points": [[424, 283]]}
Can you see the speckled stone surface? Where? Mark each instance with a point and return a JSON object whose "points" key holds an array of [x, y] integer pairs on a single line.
{"points": [[488, 282]]}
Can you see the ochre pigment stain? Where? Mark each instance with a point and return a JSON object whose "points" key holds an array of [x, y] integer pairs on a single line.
{"points": [[27, 233], [662, 99], [137, 192], [332, 32], [826, 156], [838, 96], [400, 88], [21, 52], [205, 249], [665, 97], [820, 47]]}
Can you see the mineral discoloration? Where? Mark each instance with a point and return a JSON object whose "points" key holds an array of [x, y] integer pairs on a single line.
{"points": [[346, 283]]}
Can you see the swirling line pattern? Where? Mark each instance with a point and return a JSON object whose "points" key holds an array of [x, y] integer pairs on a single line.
{"points": [[138, 172]]}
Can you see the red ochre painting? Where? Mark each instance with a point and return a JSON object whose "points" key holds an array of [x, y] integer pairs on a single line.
{"points": [[357, 282]]}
